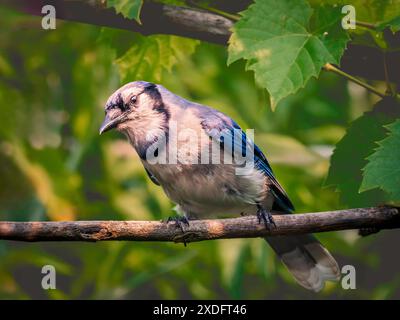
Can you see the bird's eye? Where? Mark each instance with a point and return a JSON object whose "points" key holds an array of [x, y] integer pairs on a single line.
{"points": [[133, 100]]}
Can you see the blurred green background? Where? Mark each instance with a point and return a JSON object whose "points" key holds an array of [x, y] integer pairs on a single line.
{"points": [[55, 166]]}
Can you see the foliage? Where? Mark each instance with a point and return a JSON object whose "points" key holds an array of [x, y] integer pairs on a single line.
{"points": [[129, 8], [393, 24], [349, 157], [149, 56], [382, 169], [54, 166], [283, 47]]}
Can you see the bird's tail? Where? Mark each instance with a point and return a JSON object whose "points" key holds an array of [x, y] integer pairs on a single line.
{"points": [[306, 259]]}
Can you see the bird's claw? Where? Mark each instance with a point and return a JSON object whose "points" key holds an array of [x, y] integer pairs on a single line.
{"points": [[266, 216], [180, 221]]}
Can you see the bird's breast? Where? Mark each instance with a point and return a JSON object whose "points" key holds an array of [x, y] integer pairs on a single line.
{"points": [[190, 177], [211, 190]]}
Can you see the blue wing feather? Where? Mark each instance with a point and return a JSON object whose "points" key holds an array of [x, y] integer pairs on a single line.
{"points": [[214, 123]]}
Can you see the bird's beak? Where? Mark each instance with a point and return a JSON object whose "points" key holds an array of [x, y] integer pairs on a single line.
{"points": [[109, 124]]}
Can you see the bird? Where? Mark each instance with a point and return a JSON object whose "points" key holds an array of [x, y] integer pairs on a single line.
{"points": [[156, 121]]}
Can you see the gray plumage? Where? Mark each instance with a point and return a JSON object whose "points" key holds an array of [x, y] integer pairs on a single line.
{"points": [[149, 114]]}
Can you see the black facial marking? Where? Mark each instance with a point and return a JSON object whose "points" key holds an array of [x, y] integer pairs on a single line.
{"points": [[158, 104], [118, 102]]}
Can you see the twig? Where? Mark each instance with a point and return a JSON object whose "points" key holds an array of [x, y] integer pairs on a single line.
{"points": [[389, 90], [330, 67], [198, 230], [366, 25], [234, 17]]}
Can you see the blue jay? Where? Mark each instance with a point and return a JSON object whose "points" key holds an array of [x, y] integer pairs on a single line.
{"points": [[149, 114]]}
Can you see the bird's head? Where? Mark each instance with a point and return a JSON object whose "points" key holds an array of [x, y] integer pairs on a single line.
{"points": [[137, 106]]}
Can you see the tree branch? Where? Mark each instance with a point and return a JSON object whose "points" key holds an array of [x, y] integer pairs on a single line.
{"points": [[199, 24], [199, 230], [156, 18]]}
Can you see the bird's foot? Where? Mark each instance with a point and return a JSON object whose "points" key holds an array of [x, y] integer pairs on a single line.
{"points": [[266, 216], [180, 221]]}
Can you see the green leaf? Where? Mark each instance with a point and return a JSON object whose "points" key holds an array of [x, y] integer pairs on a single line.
{"points": [[384, 14], [393, 24], [128, 8], [371, 11], [383, 170], [380, 13], [285, 44], [149, 56], [349, 156]]}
